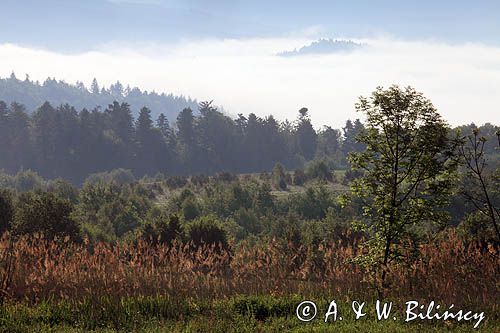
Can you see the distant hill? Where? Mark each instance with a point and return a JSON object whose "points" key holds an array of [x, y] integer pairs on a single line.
{"points": [[33, 95], [323, 46]]}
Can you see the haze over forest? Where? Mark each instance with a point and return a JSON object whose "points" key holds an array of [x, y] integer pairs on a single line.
{"points": [[228, 51]]}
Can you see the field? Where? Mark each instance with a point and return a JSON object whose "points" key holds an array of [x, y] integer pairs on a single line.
{"points": [[61, 286]]}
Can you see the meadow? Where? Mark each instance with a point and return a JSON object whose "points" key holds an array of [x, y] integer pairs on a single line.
{"points": [[62, 286]]}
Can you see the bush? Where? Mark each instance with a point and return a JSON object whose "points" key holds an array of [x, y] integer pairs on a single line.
{"points": [[279, 177], [299, 177], [207, 230], [313, 203], [163, 229], [6, 211], [123, 207], [350, 175], [199, 180], [224, 177], [117, 176], [63, 189], [190, 209], [44, 213], [248, 221], [476, 227], [318, 169], [28, 181], [175, 182]]}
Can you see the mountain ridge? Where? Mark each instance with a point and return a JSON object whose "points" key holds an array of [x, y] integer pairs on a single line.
{"points": [[32, 94]]}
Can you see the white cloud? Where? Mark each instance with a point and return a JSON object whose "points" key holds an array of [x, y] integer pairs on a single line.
{"points": [[244, 76]]}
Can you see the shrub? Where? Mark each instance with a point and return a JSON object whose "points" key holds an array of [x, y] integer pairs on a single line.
{"points": [[199, 180], [318, 169], [299, 177], [207, 230], [6, 211], [279, 177], [224, 176], [175, 182], [248, 221], [44, 213], [27, 181], [163, 229], [190, 209], [63, 189], [117, 176]]}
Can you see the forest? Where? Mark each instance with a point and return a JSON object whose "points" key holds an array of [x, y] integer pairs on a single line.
{"points": [[70, 143], [118, 222]]}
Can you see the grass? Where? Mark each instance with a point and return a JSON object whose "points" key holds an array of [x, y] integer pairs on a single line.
{"points": [[237, 314], [62, 286]]}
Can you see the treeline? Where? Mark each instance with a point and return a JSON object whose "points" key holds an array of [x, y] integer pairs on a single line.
{"points": [[64, 142], [32, 94]]}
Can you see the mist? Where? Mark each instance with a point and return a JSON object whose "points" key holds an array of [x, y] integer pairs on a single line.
{"points": [[245, 75]]}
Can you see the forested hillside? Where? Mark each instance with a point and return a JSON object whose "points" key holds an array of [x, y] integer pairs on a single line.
{"points": [[33, 94], [62, 141]]}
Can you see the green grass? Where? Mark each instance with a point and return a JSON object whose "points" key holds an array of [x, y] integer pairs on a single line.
{"points": [[162, 314]]}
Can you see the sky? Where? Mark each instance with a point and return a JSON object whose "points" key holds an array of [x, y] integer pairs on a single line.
{"points": [[225, 50]]}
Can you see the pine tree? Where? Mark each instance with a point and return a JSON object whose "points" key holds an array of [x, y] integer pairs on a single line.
{"points": [[94, 88]]}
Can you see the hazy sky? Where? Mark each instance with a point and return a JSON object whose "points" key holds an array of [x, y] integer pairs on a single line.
{"points": [[225, 50]]}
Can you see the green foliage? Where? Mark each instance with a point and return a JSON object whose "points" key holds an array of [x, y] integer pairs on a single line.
{"points": [[279, 177], [190, 209], [318, 169], [116, 176], [63, 189], [407, 166], [263, 307], [477, 227], [163, 229], [206, 230], [45, 213], [313, 203], [481, 182], [113, 208], [6, 210], [248, 221], [263, 200], [299, 177], [27, 181]]}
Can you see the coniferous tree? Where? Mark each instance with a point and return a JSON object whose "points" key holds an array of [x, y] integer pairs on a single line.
{"points": [[307, 138], [94, 88]]}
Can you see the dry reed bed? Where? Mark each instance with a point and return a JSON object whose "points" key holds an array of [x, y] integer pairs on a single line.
{"points": [[448, 271]]}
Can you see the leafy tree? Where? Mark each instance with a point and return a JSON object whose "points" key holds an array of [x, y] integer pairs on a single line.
{"points": [[407, 168], [45, 213], [482, 184], [27, 181]]}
